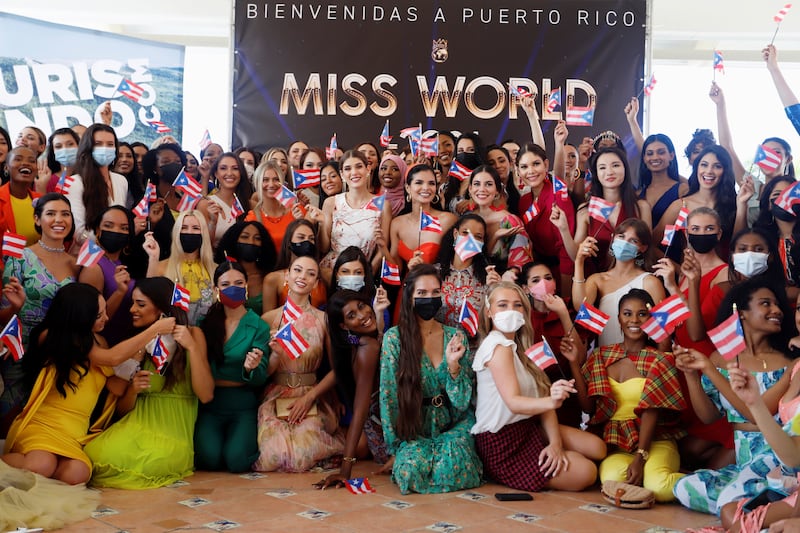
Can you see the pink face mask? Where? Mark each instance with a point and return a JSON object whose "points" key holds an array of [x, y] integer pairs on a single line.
{"points": [[542, 288]]}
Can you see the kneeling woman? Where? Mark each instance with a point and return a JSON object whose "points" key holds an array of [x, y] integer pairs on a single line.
{"points": [[516, 431], [632, 391], [426, 390]]}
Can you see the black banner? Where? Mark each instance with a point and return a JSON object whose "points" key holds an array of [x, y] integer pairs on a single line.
{"points": [[306, 70]]}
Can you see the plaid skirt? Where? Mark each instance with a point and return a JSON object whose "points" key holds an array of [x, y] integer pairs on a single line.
{"points": [[511, 456]]}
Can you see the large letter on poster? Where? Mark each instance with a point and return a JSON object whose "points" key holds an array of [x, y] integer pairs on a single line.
{"points": [[307, 69], [56, 76]]}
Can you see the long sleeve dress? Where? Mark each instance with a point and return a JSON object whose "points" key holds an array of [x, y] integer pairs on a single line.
{"points": [[442, 458]]}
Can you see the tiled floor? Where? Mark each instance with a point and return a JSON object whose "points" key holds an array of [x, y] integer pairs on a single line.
{"points": [[288, 502]]}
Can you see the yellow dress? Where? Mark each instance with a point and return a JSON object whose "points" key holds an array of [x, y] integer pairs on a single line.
{"points": [[57, 424]]}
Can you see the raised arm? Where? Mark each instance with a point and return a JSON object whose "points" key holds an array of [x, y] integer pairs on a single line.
{"points": [[632, 115], [529, 106], [724, 130]]}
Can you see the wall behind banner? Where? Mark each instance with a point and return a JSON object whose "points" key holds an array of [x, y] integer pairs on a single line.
{"points": [[51, 85], [303, 70]]}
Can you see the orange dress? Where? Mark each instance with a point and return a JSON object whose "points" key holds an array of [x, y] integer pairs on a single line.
{"points": [[429, 251]]}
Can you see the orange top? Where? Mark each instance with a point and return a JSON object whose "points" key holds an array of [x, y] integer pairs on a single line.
{"points": [[429, 251]]}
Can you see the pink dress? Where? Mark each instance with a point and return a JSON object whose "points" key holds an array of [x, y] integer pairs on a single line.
{"points": [[288, 447]]}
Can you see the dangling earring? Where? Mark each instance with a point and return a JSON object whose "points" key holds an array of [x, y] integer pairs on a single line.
{"points": [[353, 339], [639, 260], [408, 198], [216, 292]]}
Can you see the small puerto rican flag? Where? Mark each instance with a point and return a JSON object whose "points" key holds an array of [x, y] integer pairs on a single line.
{"points": [[142, 209], [64, 183], [542, 355], [390, 273], [11, 336], [130, 89], [767, 159], [187, 184], [428, 222], [467, 246], [654, 326], [291, 311], [675, 312], [376, 203], [305, 178], [531, 213], [789, 197], [459, 171], [520, 92], [559, 187], [359, 485], [291, 341], [285, 196], [159, 126], [554, 100], [669, 234], [468, 318], [160, 354], [90, 253], [591, 318], [580, 116], [728, 337], [385, 138], [236, 209], [188, 201], [330, 151], [683, 216], [205, 141], [13, 245], [180, 297], [600, 209]]}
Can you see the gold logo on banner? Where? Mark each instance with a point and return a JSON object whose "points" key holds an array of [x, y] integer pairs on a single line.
{"points": [[439, 51]]}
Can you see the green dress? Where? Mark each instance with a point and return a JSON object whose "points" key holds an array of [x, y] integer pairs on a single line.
{"points": [[152, 445], [442, 458]]}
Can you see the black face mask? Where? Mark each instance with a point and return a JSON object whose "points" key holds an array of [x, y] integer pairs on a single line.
{"points": [[427, 308], [469, 160], [783, 214], [112, 241], [703, 244], [170, 171], [190, 242], [303, 248], [248, 252]]}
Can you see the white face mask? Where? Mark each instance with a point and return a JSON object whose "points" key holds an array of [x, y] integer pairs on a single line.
{"points": [[508, 321], [354, 283], [750, 264]]}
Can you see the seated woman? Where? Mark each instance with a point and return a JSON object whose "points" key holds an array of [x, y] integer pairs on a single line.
{"points": [[517, 434], [632, 392], [68, 360], [225, 433], [152, 444], [420, 186], [298, 423], [356, 353], [766, 322], [426, 390]]}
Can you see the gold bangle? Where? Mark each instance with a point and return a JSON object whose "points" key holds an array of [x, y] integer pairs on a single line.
{"points": [[350, 460]]}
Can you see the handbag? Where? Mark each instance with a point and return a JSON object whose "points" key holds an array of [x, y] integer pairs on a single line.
{"points": [[282, 407], [627, 496]]}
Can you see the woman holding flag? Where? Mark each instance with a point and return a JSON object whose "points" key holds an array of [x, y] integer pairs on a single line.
{"points": [[632, 392], [516, 429], [298, 421], [422, 225], [225, 205], [781, 224], [152, 444], [755, 327]]}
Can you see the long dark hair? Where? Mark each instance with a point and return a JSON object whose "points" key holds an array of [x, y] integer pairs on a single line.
{"points": [[409, 368], [159, 291], [354, 253], [741, 295], [627, 193], [334, 165], [645, 175], [724, 192], [447, 249], [774, 268], [766, 220], [285, 253], [213, 326], [244, 190], [343, 351], [38, 208], [69, 337], [95, 190], [134, 177], [228, 246]]}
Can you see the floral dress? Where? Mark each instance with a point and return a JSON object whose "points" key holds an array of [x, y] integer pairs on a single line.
{"points": [[442, 458], [351, 227], [708, 491]]}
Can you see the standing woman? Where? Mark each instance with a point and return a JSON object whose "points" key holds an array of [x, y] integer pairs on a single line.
{"points": [[62, 154], [356, 356], [5, 146], [280, 157], [190, 262], [330, 181], [783, 227], [95, 187], [517, 433], [312, 159], [33, 138], [232, 183], [347, 219], [225, 433], [42, 270], [152, 444], [290, 437], [546, 240], [273, 215], [426, 392], [422, 197], [612, 182], [659, 181], [499, 159], [127, 167], [504, 231], [391, 173], [16, 196]]}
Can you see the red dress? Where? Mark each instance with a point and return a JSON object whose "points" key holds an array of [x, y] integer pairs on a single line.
{"points": [[604, 233], [545, 238]]}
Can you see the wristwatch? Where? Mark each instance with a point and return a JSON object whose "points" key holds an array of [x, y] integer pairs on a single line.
{"points": [[644, 453]]}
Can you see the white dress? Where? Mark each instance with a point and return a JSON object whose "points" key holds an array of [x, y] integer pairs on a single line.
{"points": [[119, 196], [224, 221], [351, 227]]}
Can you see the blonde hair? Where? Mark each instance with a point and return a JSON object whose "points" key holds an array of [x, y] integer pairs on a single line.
{"points": [[258, 176], [523, 337], [272, 151], [178, 256]]}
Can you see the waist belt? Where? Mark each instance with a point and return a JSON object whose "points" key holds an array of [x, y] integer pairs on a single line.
{"points": [[295, 379]]}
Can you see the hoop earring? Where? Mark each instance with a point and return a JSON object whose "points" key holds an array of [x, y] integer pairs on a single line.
{"points": [[408, 198], [437, 199]]}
